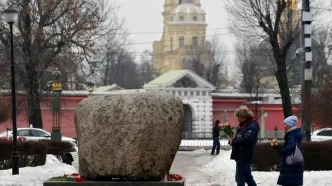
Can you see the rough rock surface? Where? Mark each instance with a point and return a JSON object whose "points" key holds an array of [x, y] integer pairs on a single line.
{"points": [[134, 136]]}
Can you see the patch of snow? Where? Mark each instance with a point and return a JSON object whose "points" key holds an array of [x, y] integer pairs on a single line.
{"points": [[36, 176], [199, 151], [50, 159], [221, 171]]}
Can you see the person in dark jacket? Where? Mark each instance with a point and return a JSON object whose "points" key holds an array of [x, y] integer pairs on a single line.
{"points": [[215, 135], [243, 146], [290, 175]]}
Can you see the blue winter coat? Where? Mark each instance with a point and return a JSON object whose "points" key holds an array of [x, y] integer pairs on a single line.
{"points": [[291, 174], [243, 145]]}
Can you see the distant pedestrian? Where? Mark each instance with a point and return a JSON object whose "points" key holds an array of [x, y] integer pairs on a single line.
{"points": [[243, 146], [292, 162], [215, 134]]}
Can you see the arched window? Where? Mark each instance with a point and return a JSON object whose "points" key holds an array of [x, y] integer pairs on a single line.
{"points": [[194, 41], [181, 41], [195, 18], [181, 18]]}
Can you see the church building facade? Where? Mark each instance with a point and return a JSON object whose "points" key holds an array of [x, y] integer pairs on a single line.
{"points": [[183, 36]]}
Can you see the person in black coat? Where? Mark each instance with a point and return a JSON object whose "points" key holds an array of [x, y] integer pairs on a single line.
{"points": [[290, 174], [215, 134], [243, 146]]}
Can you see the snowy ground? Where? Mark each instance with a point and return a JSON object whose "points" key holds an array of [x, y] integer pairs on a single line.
{"points": [[220, 171], [199, 168], [35, 176]]}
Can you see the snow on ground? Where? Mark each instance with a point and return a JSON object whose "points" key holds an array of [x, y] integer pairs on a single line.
{"points": [[221, 171], [198, 167], [35, 176]]}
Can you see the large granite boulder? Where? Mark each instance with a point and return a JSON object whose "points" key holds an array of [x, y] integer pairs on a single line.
{"points": [[128, 136]]}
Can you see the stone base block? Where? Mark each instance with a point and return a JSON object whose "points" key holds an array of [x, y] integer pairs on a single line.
{"points": [[88, 183]]}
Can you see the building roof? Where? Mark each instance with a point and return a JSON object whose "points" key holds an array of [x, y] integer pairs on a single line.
{"points": [[109, 88], [188, 13], [188, 8], [172, 76]]}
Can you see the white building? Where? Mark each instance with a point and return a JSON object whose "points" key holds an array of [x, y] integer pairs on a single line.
{"points": [[195, 93]]}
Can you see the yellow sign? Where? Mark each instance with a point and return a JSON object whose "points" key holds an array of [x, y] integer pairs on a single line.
{"points": [[56, 86]]}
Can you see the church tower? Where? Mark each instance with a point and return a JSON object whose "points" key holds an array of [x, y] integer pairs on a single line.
{"points": [[290, 20], [184, 27]]}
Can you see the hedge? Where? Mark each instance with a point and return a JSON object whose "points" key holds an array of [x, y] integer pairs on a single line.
{"points": [[317, 157], [32, 153], [58, 148]]}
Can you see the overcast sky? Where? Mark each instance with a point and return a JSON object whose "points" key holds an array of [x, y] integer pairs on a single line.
{"points": [[142, 16]]}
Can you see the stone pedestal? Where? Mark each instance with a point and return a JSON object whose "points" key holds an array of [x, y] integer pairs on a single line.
{"points": [[88, 183]]}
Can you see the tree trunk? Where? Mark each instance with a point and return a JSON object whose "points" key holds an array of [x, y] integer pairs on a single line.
{"points": [[283, 85], [32, 86], [34, 111]]}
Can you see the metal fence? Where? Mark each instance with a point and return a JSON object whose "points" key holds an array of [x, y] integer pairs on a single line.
{"points": [[208, 135]]}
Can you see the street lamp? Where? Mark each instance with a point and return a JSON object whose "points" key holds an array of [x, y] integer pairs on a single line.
{"points": [[56, 87], [10, 16]]}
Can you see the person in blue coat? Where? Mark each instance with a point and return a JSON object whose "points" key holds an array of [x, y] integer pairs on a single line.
{"points": [[290, 175], [243, 146]]}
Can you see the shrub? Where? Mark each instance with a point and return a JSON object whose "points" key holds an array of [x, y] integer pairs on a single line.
{"points": [[316, 157], [32, 153], [58, 147], [266, 158]]}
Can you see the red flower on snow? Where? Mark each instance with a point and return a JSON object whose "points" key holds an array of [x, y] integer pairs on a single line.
{"points": [[76, 177], [174, 177]]}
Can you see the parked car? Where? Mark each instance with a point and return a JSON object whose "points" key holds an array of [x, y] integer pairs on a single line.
{"points": [[35, 134], [323, 134]]}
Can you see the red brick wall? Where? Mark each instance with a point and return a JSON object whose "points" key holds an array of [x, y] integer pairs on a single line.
{"points": [[69, 103]]}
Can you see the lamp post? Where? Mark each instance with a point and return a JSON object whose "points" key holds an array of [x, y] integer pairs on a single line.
{"points": [[10, 16], [56, 87]]}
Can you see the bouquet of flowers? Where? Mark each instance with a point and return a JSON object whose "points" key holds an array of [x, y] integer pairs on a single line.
{"points": [[75, 177], [227, 129], [69, 177], [274, 143]]}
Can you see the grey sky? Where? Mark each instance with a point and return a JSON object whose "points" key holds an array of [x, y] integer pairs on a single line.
{"points": [[145, 16], [142, 16]]}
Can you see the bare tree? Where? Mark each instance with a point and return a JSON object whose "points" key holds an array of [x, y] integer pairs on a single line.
{"points": [[45, 31], [277, 22], [207, 60], [254, 82], [116, 63], [321, 102], [145, 69], [321, 54]]}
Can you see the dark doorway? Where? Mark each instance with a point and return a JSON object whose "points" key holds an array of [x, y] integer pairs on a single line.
{"points": [[188, 122]]}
